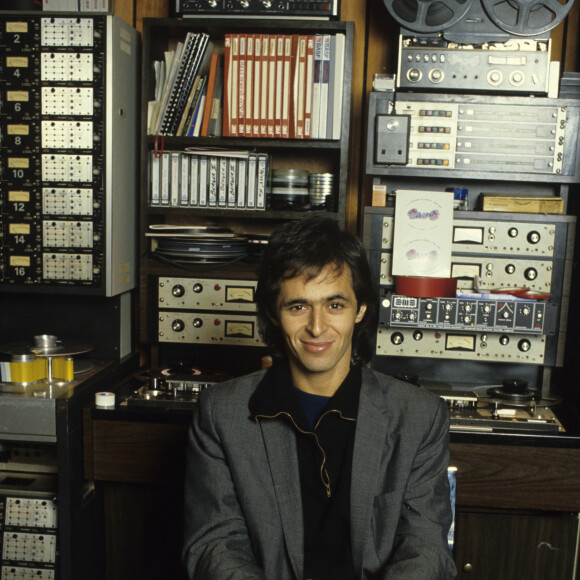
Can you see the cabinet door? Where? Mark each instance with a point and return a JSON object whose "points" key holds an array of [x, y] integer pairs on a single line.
{"points": [[513, 545]]}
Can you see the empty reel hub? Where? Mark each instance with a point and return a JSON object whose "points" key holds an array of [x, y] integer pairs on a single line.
{"points": [[427, 15], [527, 17]]}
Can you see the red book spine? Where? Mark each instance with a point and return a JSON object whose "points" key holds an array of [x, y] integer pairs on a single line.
{"points": [[249, 84], [257, 85], [243, 38], [271, 84], [308, 86], [264, 84], [279, 86], [299, 87], [227, 102], [287, 87], [235, 85]]}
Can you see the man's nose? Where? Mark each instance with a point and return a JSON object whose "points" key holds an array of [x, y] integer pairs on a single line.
{"points": [[316, 322]]}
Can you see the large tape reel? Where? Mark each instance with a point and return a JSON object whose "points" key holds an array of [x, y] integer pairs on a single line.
{"points": [[516, 17], [527, 17], [427, 15]]}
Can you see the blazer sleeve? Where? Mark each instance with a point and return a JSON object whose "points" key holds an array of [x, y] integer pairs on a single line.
{"points": [[421, 549], [216, 541]]}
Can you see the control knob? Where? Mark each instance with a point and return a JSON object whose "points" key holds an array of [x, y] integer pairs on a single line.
{"points": [[178, 291], [177, 325], [397, 338], [414, 75], [531, 274]]}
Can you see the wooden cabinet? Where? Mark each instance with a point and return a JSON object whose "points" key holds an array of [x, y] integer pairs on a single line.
{"points": [[492, 544], [516, 517], [517, 510]]}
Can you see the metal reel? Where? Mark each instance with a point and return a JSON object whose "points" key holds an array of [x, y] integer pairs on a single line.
{"points": [[527, 17], [427, 15]]}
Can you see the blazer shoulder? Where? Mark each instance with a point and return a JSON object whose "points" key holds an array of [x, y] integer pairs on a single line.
{"points": [[233, 391], [395, 391]]}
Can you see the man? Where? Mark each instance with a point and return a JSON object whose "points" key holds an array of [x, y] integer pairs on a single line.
{"points": [[317, 468]]}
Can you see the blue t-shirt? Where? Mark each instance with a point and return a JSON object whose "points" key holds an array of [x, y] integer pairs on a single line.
{"points": [[312, 405]]}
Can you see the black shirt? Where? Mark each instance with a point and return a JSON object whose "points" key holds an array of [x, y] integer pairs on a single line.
{"points": [[325, 461]]}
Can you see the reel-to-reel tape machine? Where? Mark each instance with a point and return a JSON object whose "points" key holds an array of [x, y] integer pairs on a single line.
{"points": [[486, 20], [500, 46]]}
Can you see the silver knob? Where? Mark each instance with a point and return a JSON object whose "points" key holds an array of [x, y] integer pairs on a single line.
{"points": [[178, 291], [177, 325], [397, 338]]}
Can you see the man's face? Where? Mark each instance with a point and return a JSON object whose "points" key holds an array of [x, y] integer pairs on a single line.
{"points": [[317, 319]]}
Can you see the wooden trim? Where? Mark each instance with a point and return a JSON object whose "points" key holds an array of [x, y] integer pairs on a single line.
{"points": [[133, 451], [516, 477]]}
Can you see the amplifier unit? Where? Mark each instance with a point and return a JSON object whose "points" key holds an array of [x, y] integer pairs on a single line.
{"points": [[534, 238], [464, 346], [483, 272], [328, 9], [473, 137], [207, 294], [468, 314], [208, 328]]}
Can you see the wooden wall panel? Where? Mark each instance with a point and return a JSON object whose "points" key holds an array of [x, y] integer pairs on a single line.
{"points": [[381, 46], [572, 48], [150, 9], [125, 10], [355, 12]]}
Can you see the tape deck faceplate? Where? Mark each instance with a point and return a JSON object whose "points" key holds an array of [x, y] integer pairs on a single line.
{"points": [[516, 66]]}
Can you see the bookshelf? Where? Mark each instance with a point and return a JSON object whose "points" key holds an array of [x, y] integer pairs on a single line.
{"points": [[315, 155]]}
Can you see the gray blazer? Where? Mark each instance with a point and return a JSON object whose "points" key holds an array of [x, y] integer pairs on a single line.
{"points": [[243, 514]]}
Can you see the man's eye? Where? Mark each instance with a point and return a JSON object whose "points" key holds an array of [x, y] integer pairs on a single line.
{"points": [[336, 306]]}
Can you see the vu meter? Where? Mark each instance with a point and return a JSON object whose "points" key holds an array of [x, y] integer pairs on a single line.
{"points": [[240, 294]]}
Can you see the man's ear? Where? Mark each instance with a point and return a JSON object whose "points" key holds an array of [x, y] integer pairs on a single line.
{"points": [[361, 312], [273, 319]]}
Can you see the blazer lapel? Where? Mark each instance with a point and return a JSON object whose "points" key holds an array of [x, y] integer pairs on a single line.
{"points": [[280, 445], [371, 427]]}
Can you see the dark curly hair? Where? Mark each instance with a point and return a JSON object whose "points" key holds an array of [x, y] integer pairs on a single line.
{"points": [[307, 246]]}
